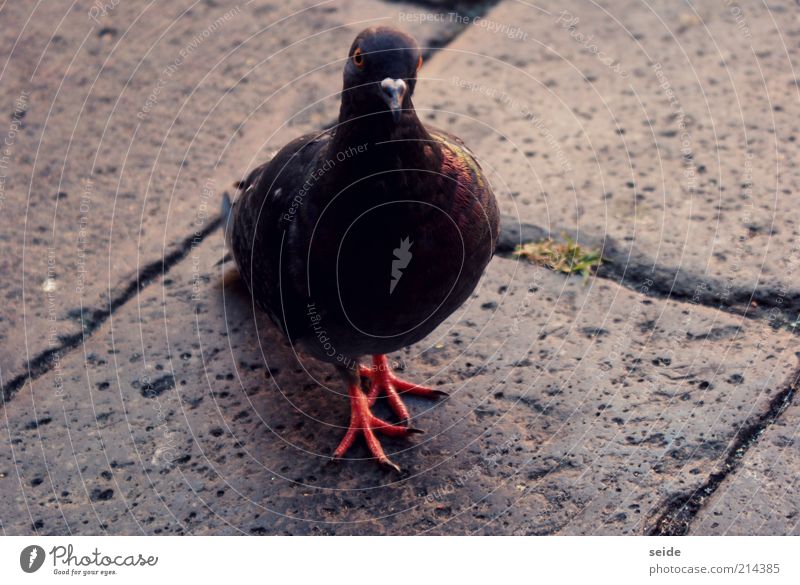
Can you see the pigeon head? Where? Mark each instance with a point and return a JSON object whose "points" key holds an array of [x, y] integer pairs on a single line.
{"points": [[380, 73]]}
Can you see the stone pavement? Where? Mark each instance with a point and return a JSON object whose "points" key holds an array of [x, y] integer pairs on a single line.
{"points": [[143, 395]]}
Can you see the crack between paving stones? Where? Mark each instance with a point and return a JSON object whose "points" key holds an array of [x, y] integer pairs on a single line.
{"points": [[635, 271], [674, 517], [93, 319]]}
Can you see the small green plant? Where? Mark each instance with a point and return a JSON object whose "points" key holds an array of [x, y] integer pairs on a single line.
{"points": [[567, 257]]}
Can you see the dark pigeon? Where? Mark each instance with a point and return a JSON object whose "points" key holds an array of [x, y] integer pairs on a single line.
{"points": [[360, 240]]}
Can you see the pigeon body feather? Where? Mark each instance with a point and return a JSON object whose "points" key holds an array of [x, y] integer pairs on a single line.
{"points": [[313, 235]]}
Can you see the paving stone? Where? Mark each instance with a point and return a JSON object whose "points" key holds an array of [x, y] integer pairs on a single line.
{"points": [[575, 408], [761, 498], [126, 127], [671, 131]]}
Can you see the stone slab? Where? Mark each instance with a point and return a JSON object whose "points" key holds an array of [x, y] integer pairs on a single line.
{"points": [[126, 125], [575, 408], [667, 127]]}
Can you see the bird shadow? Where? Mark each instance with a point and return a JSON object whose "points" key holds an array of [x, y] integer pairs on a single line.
{"points": [[298, 405]]}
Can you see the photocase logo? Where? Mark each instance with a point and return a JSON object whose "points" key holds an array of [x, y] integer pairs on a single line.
{"points": [[31, 558], [402, 258]]}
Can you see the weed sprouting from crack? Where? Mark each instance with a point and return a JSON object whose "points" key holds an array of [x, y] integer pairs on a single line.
{"points": [[567, 257]]}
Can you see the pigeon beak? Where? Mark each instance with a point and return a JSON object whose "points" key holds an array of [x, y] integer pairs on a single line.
{"points": [[394, 90]]}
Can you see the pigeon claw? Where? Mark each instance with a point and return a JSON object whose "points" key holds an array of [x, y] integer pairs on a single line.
{"points": [[363, 421], [382, 379]]}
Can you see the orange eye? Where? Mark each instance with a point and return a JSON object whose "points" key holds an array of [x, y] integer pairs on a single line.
{"points": [[358, 58], [419, 63]]}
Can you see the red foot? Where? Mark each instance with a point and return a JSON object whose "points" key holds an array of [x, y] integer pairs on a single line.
{"points": [[362, 420], [383, 379]]}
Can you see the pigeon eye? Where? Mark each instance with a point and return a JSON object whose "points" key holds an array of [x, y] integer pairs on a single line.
{"points": [[419, 63], [358, 58]]}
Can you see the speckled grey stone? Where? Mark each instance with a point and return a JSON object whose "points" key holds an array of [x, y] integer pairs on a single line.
{"points": [[133, 123], [672, 131], [761, 498], [575, 408]]}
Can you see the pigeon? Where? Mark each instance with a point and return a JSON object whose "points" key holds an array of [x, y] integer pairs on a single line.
{"points": [[361, 239]]}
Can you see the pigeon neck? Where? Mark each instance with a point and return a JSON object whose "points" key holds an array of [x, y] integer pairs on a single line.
{"points": [[378, 135]]}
